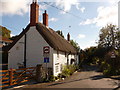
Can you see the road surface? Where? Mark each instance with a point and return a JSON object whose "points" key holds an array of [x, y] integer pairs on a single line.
{"points": [[87, 78]]}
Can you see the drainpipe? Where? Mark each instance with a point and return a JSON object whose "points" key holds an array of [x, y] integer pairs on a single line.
{"points": [[25, 51]]}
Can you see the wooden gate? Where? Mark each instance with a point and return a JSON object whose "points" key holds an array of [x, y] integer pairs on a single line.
{"points": [[16, 76]]}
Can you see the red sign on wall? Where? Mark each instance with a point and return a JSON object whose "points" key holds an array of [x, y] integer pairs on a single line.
{"points": [[46, 50]]}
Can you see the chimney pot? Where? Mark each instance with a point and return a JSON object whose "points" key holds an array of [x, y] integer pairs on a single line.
{"points": [[68, 37], [34, 13], [45, 11], [45, 18]]}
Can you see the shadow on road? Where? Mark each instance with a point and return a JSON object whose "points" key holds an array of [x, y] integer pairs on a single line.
{"points": [[90, 68], [66, 82], [97, 77]]}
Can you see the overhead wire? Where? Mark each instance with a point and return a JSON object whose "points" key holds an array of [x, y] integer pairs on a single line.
{"points": [[64, 10]]}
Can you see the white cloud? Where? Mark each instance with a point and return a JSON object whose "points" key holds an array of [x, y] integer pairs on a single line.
{"points": [[53, 19], [12, 35], [17, 7], [67, 4], [82, 9], [80, 36], [106, 15], [88, 21], [113, 1], [87, 44], [11, 7]]}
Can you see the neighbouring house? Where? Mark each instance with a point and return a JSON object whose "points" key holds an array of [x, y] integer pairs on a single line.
{"points": [[4, 41], [4, 36], [39, 44]]}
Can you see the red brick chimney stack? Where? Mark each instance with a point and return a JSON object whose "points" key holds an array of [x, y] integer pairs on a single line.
{"points": [[34, 13], [45, 18], [68, 37]]}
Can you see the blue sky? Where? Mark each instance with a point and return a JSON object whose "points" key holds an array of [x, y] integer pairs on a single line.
{"points": [[83, 25]]}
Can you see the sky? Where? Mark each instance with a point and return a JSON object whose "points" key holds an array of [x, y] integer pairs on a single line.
{"points": [[83, 19]]}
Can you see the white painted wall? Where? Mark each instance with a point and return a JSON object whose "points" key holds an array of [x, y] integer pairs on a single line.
{"points": [[34, 56], [60, 60], [35, 43], [16, 54]]}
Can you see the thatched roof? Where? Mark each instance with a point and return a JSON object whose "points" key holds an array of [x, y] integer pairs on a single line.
{"points": [[52, 38]]}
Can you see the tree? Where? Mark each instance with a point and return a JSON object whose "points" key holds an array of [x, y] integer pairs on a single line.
{"points": [[118, 40], [13, 37], [5, 32], [60, 33], [75, 45], [108, 37], [109, 42]]}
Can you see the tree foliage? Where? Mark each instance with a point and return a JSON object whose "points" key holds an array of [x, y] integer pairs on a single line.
{"points": [[108, 45], [75, 45], [5, 32], [109, 37], [60, 33], [13, 37]]}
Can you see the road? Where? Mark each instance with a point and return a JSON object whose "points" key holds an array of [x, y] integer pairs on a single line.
{"points": [[87, 78]]}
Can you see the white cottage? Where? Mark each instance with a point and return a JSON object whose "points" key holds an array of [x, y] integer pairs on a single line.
{"points": [[39, 44]]}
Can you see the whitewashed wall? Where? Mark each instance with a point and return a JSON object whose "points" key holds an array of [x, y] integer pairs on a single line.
{"points": [[16, 54], [60, 60], [35, 43], [34, 55]]}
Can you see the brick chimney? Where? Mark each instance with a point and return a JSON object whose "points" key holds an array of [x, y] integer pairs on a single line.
{"points": [[68, 37], [34, 13], [45, 18]]}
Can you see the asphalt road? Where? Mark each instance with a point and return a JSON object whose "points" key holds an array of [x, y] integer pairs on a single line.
{"points": [[87, 78]]}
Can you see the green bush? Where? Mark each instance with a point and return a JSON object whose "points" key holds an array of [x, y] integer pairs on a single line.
{"points": [[68, 70], [53, 78], [110, 71], [102, 66], [111, 66]]}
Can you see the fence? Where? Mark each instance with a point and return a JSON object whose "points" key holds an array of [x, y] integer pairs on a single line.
{"points": [[16, 76], [3, 66]]}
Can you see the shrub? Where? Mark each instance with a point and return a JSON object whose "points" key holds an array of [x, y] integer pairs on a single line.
{"points": [[68, 70], [111, 66], [102, 66], [53, 78]]}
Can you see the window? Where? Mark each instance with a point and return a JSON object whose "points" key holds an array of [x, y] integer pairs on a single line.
{"points": [[61, 67], [56, 68]]}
